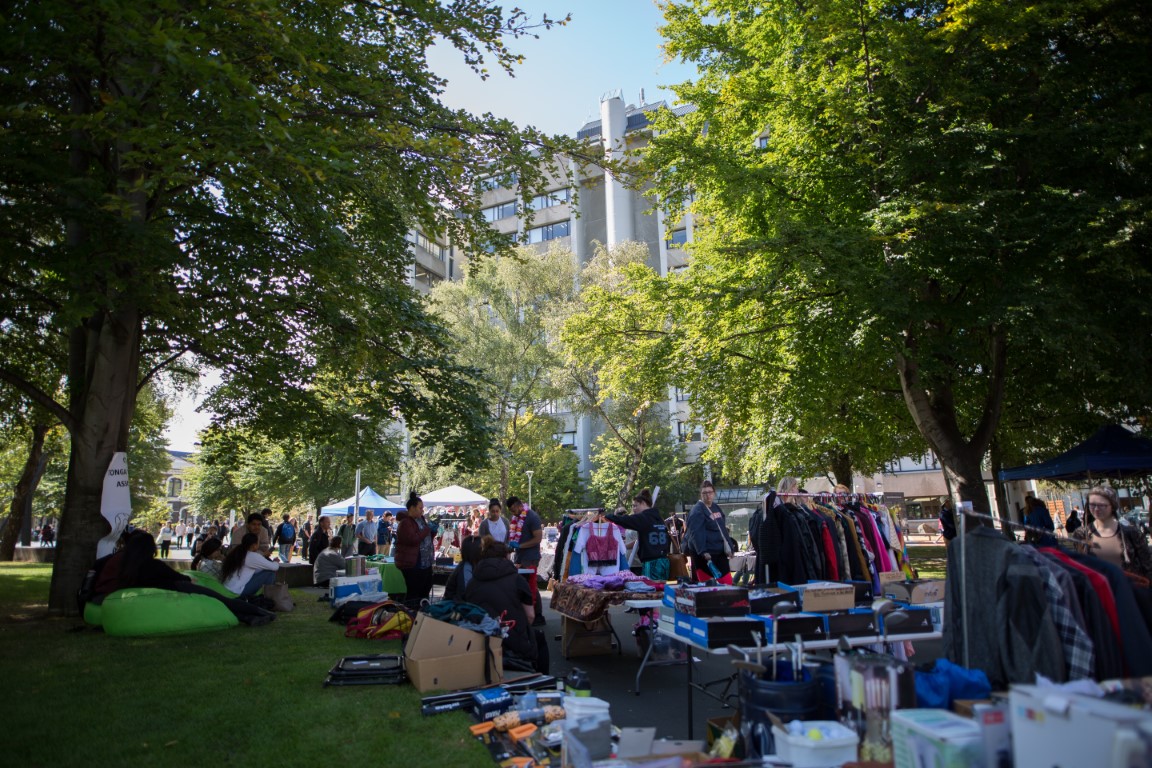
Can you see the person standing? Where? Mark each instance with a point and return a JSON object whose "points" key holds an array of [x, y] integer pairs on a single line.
{"points": [[494, 525], [652, 535], [525, 532], [1111, 539], [347, 534], [414, 550], [320, 539], [947, 520], [366, 535], [179, 533], [709, 542], [305, 537], [384, 534], [285, 538], [165, 539], [1074, 521]]}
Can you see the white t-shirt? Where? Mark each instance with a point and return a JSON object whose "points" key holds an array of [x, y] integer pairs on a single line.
{"points": [[253, 562], [165, 534], [498, 529]]}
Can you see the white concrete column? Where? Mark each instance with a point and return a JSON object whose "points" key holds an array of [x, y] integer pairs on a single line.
{"points": [[617, 200]]}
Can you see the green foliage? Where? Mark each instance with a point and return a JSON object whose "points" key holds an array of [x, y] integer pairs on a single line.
{"points": [[148, 456], [662, 464], [950, 198], [500, 316]]}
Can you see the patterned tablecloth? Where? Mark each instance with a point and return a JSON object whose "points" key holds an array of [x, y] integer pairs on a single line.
{"points": [[587, 604]]}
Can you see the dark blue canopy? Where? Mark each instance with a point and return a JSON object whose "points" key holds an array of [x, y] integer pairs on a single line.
{"points": [[1112, 452]]}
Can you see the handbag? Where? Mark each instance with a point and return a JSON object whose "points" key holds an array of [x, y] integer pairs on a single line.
{"points": [[280, 596]]}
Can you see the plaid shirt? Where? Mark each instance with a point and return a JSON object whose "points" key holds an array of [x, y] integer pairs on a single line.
{"points": [[1079, 653]]}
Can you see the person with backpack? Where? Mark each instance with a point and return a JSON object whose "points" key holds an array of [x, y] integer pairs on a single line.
{"points": [[505, 595], [285, 538]]}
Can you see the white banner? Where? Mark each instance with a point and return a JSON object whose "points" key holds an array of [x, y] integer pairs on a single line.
{"points": [[115, 502]]}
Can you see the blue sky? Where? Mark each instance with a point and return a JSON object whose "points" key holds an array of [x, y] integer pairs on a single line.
{"points": [[609, 45]]}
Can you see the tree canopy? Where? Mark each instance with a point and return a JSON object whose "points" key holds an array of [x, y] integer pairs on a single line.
{"points": [[926, 199], [235, 182]]}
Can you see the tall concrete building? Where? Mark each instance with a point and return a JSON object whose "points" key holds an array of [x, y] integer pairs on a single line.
{"points": [[598, 209]]}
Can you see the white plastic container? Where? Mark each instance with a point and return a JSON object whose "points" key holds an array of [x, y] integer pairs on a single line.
{"points": [[840, 746]]}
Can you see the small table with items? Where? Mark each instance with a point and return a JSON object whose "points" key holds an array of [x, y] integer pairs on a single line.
{"points": [[585, 615]]}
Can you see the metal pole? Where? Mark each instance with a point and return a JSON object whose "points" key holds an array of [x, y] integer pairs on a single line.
{"points": [[529, 472], [356, 507]]}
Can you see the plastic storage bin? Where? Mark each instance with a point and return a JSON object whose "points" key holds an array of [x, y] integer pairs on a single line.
{"points": [[838, 747]]}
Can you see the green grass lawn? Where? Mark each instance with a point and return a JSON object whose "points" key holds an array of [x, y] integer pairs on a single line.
{"points": [[929, 561], [239, 697]]}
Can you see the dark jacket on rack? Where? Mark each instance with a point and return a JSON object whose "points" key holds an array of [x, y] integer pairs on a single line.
{"points": [[765, 532], [652, 535], [1010, 630]]}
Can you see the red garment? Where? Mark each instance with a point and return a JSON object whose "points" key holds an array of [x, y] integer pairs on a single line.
{"points": [[1099, 583], [603, 549], [830, 554]]}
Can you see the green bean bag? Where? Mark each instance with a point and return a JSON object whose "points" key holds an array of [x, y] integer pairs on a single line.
{"points": [[93, 614], [140, 612], [210, 581]]}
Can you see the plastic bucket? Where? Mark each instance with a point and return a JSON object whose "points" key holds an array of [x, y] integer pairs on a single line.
{"points": [[786, 699]]}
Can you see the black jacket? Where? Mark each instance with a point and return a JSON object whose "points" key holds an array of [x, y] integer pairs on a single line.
{"points": [[503, 593], [317, 544], [653, 535]]}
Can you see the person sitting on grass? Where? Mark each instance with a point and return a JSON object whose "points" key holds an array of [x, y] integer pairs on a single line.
{"points": [[245, 570], [328, 563], [210, 558], [462, 575], [504, 594], [135, 565]]}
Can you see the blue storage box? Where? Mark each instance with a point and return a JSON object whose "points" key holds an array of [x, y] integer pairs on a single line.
{"points": [[719, 631], [810, 626], [345, 586]]}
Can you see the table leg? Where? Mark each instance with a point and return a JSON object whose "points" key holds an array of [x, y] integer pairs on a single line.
{"points": [[689, 686], [644, 661]]}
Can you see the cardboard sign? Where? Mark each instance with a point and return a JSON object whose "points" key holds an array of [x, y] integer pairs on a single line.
{"points": [[916, 592]]}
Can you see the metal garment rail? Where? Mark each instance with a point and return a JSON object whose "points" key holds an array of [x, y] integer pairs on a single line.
{"points": [[964, 563]]}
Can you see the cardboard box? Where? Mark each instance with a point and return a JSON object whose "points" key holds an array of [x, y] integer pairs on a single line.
{"points": [[715, 726], [810, 626], [719, 631], [938, 738], [864, 593], [825, 596], [705, 602], [858, 622], [1051, 728], [442, 656], [889, 577], [669, 598], [580, 638], [996, 726], [915, 592], [761, 601], [919, 622]]}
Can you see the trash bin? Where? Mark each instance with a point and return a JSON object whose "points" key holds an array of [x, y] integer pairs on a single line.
{"points": [[784, 697]]}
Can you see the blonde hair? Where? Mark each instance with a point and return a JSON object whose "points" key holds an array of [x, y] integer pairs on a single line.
{"points": [[787, 485]]}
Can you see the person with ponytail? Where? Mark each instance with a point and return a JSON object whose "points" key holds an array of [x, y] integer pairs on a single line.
{"points": [[652, 534], [414, 550], [245, 570]]}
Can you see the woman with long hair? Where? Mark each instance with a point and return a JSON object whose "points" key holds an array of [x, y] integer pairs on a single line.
{"points": [[210, 558], [245, 570], [709, 542], [414, 550]]}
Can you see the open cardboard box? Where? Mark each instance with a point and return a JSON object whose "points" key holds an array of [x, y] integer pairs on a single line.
{"points": [[442, 656]]}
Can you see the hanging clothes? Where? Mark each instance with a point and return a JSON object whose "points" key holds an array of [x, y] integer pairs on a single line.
{"points": [[601, 546]]}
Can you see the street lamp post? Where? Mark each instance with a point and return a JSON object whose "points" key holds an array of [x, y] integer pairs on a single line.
{"points": [[529, 472]]}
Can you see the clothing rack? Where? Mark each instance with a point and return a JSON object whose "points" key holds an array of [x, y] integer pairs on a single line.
{"points": [[964, 562]]}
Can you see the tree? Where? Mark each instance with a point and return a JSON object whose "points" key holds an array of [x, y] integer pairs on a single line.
{"points": [[500, 316], [938, 189], [235, 182], [662, 463]]}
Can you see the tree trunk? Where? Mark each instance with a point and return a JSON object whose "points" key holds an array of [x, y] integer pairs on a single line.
{"points": [[842, 469], [997, 461], [105, 354], [23, 492], [934, 413], [637, 456]]}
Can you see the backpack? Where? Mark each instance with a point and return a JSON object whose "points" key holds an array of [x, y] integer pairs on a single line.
{"points": [[387, 620], [287, 532]]}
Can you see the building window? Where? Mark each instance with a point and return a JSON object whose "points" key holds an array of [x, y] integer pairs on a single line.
{"points": [[677, 238], [687, 432], [549, 232], [681, 395], [550, 199], [438, 251], [175, 486], [498, 212], [762, 142], [567, 439], [499, 182]]}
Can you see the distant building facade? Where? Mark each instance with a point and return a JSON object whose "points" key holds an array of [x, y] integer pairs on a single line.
{"points": [[176, 485]]}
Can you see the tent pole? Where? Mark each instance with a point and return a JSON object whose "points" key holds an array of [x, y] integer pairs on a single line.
{"points": [[357, 506]]}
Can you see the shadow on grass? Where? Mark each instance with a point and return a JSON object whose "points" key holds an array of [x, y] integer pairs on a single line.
{"points": [[930, 561]]}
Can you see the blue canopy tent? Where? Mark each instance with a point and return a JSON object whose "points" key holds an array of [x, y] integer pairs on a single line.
{"points": [[369, 500], [1113, 452]]}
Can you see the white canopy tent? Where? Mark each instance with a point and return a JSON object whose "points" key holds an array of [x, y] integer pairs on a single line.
{"points": [[453, 496]]}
